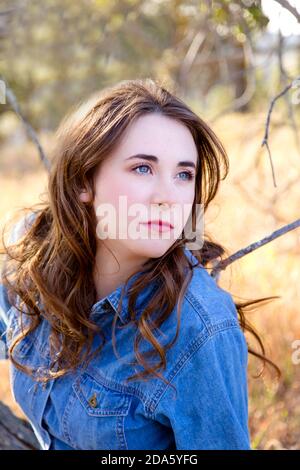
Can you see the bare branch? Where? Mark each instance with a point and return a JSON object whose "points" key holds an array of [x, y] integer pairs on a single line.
{"points": [[284, 78], [248, 249], [29, 129], [285, 4], [267, 126], [251, 84], [190, 56]]}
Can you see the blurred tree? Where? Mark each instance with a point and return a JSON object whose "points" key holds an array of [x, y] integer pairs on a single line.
{"points": [[55, 53]]}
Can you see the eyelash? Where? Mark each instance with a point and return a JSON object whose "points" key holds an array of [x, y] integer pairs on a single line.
{"points": [[190, 173]]}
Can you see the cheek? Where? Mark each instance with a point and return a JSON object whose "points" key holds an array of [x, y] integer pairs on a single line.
{"points": [[185, 204], [109, 187], [119, 194]]}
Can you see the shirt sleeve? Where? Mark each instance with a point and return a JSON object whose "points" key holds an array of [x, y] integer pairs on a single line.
{"points": [[210, 409], [4, 308], [16, 233]]}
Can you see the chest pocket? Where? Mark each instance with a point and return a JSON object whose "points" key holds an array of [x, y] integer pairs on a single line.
{"points": [[94, 416]]}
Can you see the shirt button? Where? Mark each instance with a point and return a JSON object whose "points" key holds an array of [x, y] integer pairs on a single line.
{"points": [[93, 401]]}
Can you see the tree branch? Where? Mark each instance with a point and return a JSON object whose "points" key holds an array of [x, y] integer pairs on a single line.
{"points": [[248, 249], [267, 126], [285, 4], [29, 129]]}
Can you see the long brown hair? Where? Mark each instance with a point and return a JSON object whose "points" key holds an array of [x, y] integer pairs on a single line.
{"points": [[49, 270]]}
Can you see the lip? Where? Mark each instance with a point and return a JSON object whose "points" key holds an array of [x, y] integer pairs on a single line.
{"points": [[159, 223]]}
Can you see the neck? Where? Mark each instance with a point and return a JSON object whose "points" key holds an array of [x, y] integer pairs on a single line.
{"points": [[108, 275]]}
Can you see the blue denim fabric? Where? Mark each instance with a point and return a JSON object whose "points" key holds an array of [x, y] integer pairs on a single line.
{"points": [[97, 409]]}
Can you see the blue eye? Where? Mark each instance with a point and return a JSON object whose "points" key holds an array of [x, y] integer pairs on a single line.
{"points": [[141, 166], [190, 175]]}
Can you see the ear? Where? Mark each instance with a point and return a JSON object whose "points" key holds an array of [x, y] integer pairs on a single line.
{"points": [[84, 196]]}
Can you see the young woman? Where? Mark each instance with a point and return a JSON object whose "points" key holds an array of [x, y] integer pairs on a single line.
{"points": [[126, 342]]}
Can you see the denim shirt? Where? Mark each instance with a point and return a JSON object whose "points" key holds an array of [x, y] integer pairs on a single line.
{"points": [[98, 409]]}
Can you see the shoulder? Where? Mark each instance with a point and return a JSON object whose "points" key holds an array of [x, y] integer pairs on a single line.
{"points": [[9, 314], [210, 303], [207, 306], [21, 226], [208, 318]]}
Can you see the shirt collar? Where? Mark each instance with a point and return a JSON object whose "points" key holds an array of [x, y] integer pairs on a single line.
{"points": [[112, 300]]}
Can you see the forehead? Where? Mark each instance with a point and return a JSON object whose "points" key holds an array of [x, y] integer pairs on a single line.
{"points": [[158, 135]]}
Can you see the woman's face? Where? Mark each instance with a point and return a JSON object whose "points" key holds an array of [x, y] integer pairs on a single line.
{"points": [[129, 190]]}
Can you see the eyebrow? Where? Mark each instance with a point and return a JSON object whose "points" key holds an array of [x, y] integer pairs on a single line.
{"points": [[155, 159]]}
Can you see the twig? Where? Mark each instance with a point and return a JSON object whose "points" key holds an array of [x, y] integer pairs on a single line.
{"points": [[284, 78], [267, 126], [251, 83], [285, 4], [248, 249], [29, 129]]}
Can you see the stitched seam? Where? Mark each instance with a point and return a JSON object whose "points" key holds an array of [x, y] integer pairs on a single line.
{"points": [[198, 308], [65, 416], [99, 412], [193, 348], [116, 386]]}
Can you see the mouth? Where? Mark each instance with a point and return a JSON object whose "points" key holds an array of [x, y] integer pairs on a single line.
{"points": [[159, 224]]}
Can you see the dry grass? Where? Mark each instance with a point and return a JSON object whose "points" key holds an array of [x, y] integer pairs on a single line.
{"points": [[246, 209]]}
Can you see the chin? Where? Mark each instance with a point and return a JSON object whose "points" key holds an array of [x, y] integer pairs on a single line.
{"points": [[151, 248]]}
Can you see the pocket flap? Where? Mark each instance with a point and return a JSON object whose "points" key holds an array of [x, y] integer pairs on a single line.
{"points": [[99, 400]]}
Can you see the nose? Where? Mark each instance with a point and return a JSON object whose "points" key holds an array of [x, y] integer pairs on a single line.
{"points": [[163, 195], [161, 207], [163, 203]]}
